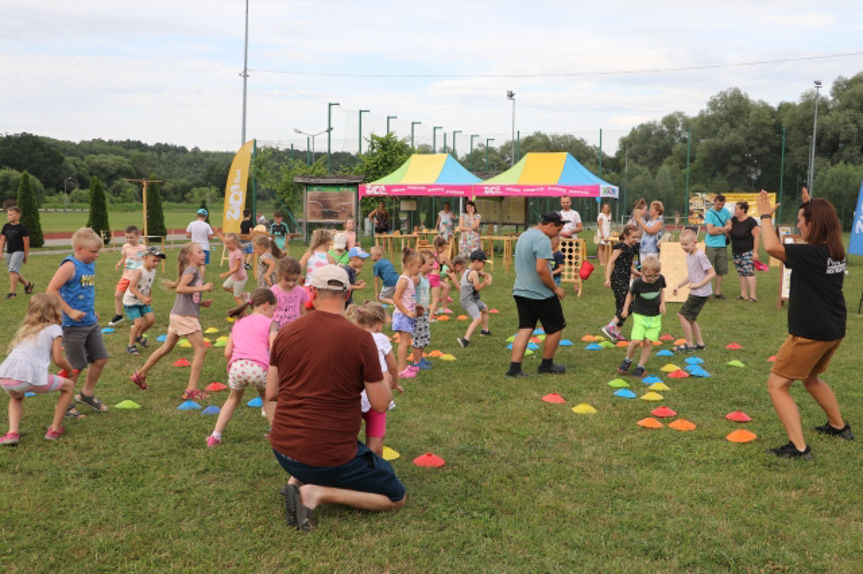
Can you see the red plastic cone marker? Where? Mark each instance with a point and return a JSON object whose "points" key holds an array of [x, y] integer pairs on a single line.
{"points": [[663, 412], [215, 387], [666, 338], [738, 417], [679, 374], [771, 359], [734, 346], [429, 459], [182, 363], [554, 398]]}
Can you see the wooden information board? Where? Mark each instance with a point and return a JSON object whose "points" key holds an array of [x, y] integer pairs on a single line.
{"points": [[673, 261]]}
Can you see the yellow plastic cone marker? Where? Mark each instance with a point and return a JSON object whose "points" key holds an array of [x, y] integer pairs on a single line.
{"points": [[598, 338], [127, 404], [447, 357], [584, 409], [650, 423], [206, 340], [528, 352], [735, 363], [682, 425], [185, 344], [741, 435], [211, 331], [651, 396], [659, 387], [670, 368], [541, 337], [231, 319], [390, 454]]}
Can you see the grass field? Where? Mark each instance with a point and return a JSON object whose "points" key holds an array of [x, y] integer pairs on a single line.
{"points": [[527, 486], [53, 222]]}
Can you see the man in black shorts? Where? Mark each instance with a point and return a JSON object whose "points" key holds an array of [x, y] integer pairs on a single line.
{"points": [[536, 296]]}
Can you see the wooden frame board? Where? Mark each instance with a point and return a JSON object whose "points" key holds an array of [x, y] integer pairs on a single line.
{"points": [[673, 261]]}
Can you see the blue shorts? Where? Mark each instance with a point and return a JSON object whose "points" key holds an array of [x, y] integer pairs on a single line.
{"points": [[137, 311], [206, 257], [247, 247], [403, 323], [366, 472]]}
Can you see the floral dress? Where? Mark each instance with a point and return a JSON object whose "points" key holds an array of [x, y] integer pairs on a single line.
{"points": [[469, 241]]}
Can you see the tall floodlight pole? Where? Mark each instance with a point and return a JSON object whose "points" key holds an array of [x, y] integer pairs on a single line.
{"points": [[388, 122], [434, 138], [471, 149], [814, 132], [688, 148], [245, 75], [454, 154], [360, 144], [511, 96], [486, 152], [781, 177], [329, 136], [413, 124], [312, 136]]}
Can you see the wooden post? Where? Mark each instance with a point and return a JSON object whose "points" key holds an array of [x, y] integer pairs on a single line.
{"points": [[144, 183]]}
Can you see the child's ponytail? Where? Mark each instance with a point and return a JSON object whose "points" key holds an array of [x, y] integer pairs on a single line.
{"points": [[259, 297]]}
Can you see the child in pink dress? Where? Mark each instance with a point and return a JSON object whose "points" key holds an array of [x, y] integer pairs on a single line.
{"points": [[291, 299]]}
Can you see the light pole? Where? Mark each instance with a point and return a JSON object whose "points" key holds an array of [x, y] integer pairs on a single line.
{"points": [[245, 75], [471, 149], [510, 95], [412, 134], [65, 196], [313, 136], [434, 138], [388, 122], [454, 154], [329, 137], [360, 144], [814, 132], [486, 152]]}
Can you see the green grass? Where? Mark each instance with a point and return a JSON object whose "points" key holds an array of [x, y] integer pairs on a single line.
{"points": [[53, 222], [527, 486]]}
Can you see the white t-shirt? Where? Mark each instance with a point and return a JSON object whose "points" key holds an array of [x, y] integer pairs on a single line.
{"points": [[144, 284], [384, 347], [604, 223], [29, 361], [201, 232], [571, 219]]}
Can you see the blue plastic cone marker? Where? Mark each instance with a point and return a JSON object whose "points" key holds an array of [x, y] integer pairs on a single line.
{"points": [[565, 343], [664, 353], [538, 332], [29, 394], [509, 346], [211, 410], [107, 330], [625, 394], [532, 346], [691, 368], [651, 379], [189, 406], [593, 347], [700, 373], [162, 338], [694, 361], [255, 403]]}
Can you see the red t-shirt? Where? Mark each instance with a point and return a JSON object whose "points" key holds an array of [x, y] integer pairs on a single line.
{"points": [[323, 360]]}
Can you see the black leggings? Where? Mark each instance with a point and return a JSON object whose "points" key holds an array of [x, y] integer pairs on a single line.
{"points": [[620, 288]]}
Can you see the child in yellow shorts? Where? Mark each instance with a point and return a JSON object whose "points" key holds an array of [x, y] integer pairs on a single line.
{"points": [[647, 297]]}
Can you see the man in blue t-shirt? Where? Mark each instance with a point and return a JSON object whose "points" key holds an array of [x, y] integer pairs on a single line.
{"points": [[536, 296], [718, 222]]}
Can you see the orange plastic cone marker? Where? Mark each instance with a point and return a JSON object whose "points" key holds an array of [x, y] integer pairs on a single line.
{"points": [[682, 425], [435, 353], [680, 342], [429, 459], [741, 435], [663, 412], [738, 417], [650, 423], [554, 398], [587, 338], [462, 317], [622, 344]]}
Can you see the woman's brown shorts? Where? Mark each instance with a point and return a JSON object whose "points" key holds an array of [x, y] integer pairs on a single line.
{"points": [[799, 358]]}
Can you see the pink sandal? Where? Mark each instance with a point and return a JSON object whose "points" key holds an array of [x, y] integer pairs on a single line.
{"points": [[139, 380]]}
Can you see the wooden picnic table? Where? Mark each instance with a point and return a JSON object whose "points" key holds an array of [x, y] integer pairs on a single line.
{"points": [[508, 242], [388, 241]]}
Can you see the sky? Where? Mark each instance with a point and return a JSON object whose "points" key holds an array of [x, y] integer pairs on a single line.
{"points": [[171, 71]]}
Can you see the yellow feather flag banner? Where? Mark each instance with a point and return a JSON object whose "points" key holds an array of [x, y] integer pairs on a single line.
{"points": [[235, 189]]}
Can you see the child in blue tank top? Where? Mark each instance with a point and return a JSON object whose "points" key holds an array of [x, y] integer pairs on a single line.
{"points": [[74, 284]]}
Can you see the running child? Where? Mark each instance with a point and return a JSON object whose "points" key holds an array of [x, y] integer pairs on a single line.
{"points": [[557, 259], [473, 281], [236, 276], [422, 332], [74, 284], [618, 273], [384, 269], [371, 317], [437, 277], [404, 317], [246, 226], [647, 297], [291, 299], [16, 237], [353, 268], [269, 255], [183, 321], [248, 356], [279, 230], [699, 274], [200, 232], [316, 256], [137, 299], [38, 340], [131, 258]]}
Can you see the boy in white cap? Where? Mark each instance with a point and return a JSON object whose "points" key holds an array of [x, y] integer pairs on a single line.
{"points": [[200, 232]]}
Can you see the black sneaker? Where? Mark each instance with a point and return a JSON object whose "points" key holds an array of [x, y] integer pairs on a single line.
{"points": [[518, 374], [844, 432], [485, 333], [552, 370], [247, 266], [720, 296], [115, 321], [790, 451], [29, 288], [623, 369], [638, 372], [463, 342], [11, 296]]}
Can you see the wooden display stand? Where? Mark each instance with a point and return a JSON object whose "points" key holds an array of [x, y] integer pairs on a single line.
{"points": [[785, 273], [673, 261], [574, 253]]}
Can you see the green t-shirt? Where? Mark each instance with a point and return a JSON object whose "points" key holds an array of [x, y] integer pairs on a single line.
{"points": [[533, 244]]}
